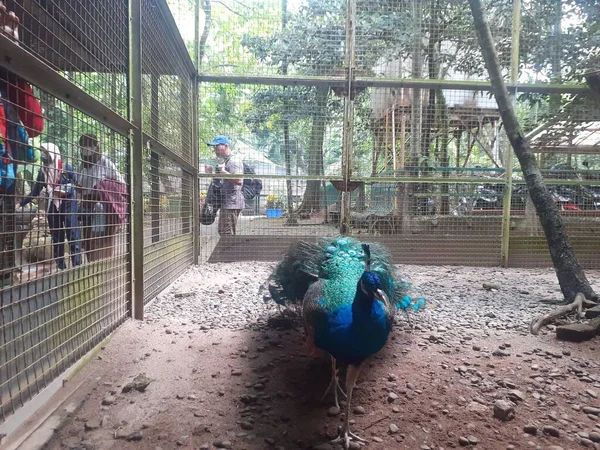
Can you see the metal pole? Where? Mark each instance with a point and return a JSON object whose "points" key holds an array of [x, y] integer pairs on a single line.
{"points": [[348, 131], [196, 179], [514, 76], [154, 160], [187, 189], [197, 36], [136, 236], [195, 138]]}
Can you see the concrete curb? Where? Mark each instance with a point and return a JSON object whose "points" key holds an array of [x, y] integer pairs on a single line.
{"points": [[39, 421]]}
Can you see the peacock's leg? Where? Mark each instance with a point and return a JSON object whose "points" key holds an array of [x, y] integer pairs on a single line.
{"points": [[335, 384], [345, 434]]}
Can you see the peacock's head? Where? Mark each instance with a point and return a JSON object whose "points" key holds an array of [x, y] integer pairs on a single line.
{"points": [[370, 284]]}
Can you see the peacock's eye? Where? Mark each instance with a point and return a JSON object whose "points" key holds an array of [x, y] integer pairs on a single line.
{"points": [[362, 287]]}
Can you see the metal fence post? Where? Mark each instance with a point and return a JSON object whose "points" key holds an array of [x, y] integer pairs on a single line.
{"points": [[348, 132], [154, 160], [195, 137], [195, 179], [514, 78], [136, 237]]}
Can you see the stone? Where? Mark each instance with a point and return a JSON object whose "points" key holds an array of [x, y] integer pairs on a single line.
{"points": [[591, 410], [586, 443], [550, 430], [472, 439], [135, 436], [504, 410], [591, 393], [92, 425], [246, 426], [139, 383], [592, 313], [477, 408], [490, 286], [109, 400], [515, 395], [333, 411], [575, 332], [530, 429], [463, 441], [594, 436]]}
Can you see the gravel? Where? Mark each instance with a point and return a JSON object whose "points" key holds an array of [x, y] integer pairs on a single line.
{"points": [[229, 296]]}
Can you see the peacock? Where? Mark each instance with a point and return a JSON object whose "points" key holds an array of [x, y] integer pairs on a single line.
{"points": [[349, 293]]}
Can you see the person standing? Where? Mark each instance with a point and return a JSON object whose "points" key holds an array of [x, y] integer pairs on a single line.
{"points": [[59, 180], [20, 119], [232, 199], [103, 199]]}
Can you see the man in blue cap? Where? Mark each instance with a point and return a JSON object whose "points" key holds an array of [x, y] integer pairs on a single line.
{"points": [[232, 198]]}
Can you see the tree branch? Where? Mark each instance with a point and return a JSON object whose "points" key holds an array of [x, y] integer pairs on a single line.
{"points": [[545, 319]]}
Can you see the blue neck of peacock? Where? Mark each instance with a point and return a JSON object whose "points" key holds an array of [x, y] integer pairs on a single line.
{"points": [[362, 306]]}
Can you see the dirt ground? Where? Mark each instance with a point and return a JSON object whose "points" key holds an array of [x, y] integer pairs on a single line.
{"points": [[224, 376]]}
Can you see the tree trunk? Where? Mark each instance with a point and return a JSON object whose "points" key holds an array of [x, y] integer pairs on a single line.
{"points": [[206, 6], [444, 125], [287, 151], [312, 200], [433, 72], [593, 82], [571, 276], [417, 73]]}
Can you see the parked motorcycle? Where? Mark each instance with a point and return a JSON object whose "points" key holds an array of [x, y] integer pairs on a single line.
{"points": [[490, 196], [572, 197]]}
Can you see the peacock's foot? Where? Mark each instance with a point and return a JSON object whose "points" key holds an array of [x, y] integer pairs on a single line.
{"points": [[346, 436]]}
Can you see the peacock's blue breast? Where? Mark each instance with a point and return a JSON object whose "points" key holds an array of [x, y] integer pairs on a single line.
{"points": [[352, 339]]}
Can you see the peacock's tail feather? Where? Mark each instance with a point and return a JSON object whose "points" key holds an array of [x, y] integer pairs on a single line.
{"points": [[408, 303]]}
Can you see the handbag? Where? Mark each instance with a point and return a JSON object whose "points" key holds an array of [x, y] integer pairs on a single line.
{"points": [[212, 203]]}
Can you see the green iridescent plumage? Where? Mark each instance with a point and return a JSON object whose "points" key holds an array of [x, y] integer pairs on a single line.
{"points": [[339, 261]]}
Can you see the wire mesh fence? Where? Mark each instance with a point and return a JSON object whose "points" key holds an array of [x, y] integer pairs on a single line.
{"points": [[64, 257], [168, 238], [87, 42], [427, 39], [167, 84], [425, 162]]}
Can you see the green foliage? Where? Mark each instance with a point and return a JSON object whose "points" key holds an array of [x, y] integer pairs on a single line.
{"points": [[251, 39]]}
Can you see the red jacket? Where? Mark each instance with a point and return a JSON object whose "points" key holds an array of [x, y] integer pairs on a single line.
{"points": [[28, 107]]}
